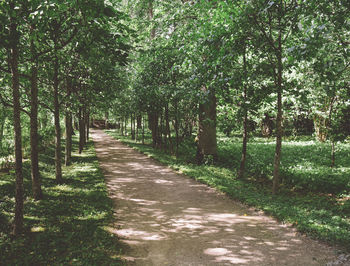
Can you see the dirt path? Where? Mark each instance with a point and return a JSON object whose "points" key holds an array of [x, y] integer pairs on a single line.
{"points": [[164, 218]]}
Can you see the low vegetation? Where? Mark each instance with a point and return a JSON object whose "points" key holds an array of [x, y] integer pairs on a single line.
{"points": [[68, 225], [314, 197]]}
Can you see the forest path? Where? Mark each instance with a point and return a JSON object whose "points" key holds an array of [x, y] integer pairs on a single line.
{"points": [[164, 218]]}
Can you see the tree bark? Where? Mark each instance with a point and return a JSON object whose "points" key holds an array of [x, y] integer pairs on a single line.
{"points": [[58, 155], [81, 129], [176, 129], [69, 133], [69, 128], [132, 119], [106, 120], [161, 131], [167, 127], [3, 117], [279, 130], [87, 124], [14, 40], [143, 130], [207, 144], [122, 126], [245, 120], [333, 154], [34, 136], [125, 126], [150, 17], [153, 122]]}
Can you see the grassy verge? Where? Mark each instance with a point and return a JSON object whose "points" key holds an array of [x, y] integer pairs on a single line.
{"points": [[319, 215], [67, 226]]}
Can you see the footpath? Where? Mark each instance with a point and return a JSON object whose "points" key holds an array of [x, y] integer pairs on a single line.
{"points": [[164, 218]]}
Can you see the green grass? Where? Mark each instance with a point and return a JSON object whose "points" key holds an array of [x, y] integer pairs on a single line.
{"points": [[314, 197], [68, 225]]}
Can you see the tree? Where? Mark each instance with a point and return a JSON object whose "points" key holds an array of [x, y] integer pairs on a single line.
{"points": [[13, 37], [274, 22]]}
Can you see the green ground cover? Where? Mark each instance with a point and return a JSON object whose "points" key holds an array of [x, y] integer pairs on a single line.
{"points": [[69, 225], [313, 197]]}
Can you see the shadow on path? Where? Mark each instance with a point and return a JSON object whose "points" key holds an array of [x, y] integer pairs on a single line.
{"points": [[164, 218]]}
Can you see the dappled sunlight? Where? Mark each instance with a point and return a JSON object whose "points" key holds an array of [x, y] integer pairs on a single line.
{"points": [[161, 216]]}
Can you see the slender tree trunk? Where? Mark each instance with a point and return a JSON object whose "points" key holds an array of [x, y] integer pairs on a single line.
{"points": [[125, 125], [69, 128], [34, 153], [161, 131], [279, 130], [81, 129], [137, 128], [176, 129], [122, 126], [58, 154], [134, 121], [14, 40], [330, 126], [333, 154], [2, 125], [245, 121], [139, 125], [106, 120], [167, 126], [132, 118], [87, 124], [150, 17], [143, 130], [69, 131]]}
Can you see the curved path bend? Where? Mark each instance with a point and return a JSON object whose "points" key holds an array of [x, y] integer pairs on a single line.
{"points": [[164, 218]]}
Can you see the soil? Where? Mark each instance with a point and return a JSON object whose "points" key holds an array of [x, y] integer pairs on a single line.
{"points": [[165, 218]]}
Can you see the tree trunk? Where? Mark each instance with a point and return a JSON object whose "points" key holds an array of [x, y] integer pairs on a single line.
{"points": [[279, 131], [176, 129], [69, 128], [161, 131], [207, 127], [34, 151], [167, 126], [132, 117], [69, 131], [58, 155], [135, 131], [125, 126], [3, 116], [153, 122], [81, 129], [14, 40], [150, 17], [122, 126], [333, 154], [87, 130], [320, 124], [143, 130], [106, 120], [139, 121], [245, 120]]}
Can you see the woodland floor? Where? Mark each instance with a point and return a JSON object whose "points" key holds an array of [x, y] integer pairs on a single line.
{"points": [[164, 218]]}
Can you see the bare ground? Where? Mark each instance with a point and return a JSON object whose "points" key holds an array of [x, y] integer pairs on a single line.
{"points": [[164, 218]]}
